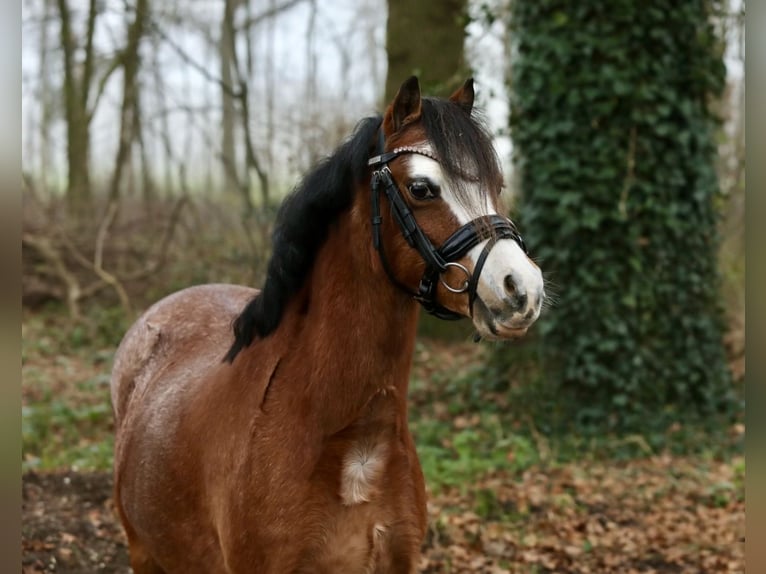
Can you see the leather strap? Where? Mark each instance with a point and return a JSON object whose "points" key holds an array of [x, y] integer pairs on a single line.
{"points": [[492, 227]]}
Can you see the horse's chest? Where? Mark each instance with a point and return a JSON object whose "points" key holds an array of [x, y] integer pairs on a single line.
{"points": [[361, 507], [356, 542], [356, 533], [362, 471], [375, 511]]}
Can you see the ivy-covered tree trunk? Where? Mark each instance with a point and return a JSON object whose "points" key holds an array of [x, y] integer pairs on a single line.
{"points": [[426, 38], [615, 151]]}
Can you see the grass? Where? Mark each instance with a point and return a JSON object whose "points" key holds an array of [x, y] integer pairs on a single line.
{"points": [[471, 452], [468, 427], [57, 434], [66, 412]]}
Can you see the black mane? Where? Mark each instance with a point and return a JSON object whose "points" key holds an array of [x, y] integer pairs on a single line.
{"points": [[465, 149], [302, 223]]}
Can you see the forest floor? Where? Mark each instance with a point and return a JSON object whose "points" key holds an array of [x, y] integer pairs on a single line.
{"points": [[511, 506], [655, 515]]}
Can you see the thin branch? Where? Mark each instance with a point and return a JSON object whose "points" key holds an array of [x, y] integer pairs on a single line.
{"points": [[155, 27], [250, 155], [98, 258], [75, 292], [114, 65], [96, 265], [175, 217], [266, 14], [49, 253], [87, 71]]}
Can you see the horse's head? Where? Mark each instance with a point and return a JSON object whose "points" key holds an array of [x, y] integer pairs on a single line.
{"points": [[436, 226]]}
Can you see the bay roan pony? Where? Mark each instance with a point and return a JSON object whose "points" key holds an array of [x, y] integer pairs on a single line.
{"points": [[281, 445]]}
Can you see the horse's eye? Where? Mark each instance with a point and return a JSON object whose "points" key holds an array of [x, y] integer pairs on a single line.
{"points": [[422, 190]]}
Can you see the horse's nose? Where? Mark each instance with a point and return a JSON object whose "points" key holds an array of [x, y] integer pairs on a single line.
{"points": [[517, 295]]}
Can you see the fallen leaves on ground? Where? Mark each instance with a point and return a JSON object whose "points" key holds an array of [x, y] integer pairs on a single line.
{"points": [[661, 514]]}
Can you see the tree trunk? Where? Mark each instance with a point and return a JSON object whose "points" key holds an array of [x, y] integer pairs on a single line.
{"points": [[228, 146], [426, 38], [129, 120], [75, 112], [46, 101]]}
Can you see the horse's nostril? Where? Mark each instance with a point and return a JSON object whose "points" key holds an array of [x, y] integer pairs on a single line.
{"points": [[517, 297], [510, 285]]}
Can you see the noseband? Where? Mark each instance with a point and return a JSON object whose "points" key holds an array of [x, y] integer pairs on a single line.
{"points": [[438, 261]]}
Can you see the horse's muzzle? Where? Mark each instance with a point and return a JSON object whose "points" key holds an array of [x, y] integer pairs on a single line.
{"points": [[511, 318]]}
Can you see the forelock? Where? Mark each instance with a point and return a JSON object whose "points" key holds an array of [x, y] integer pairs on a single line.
{"points": [[465, 150]]}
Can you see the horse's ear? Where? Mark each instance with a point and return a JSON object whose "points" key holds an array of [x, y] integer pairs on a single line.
{"points": [[464, 95], [405, 107]]}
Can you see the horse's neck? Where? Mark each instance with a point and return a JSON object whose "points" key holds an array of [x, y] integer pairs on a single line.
{"points": [[356, 329]]}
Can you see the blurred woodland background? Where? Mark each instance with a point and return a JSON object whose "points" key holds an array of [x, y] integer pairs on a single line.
{"points": [[159, 139]]}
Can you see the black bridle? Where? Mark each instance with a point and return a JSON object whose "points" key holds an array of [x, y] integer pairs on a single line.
{"points": [[492, 227]]}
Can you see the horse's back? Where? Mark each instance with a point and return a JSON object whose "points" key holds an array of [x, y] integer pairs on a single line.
{"points": [[192, 323]]}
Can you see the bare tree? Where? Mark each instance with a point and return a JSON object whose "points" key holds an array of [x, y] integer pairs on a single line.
{"points": [[242, 79], [270, 85], [45, 93], [235, 84], [76, 88], [312, 147], [226, 48], [80, 100], [130, 115], [163, 132], [250, 119]]}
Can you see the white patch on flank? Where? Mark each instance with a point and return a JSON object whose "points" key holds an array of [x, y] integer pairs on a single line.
{"points": [[362, 466]]}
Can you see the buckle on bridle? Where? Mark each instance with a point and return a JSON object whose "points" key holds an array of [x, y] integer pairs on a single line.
{"points": [[463, 288]]}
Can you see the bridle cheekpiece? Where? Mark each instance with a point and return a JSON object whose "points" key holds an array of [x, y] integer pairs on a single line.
{"points": [[492, 227]]}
